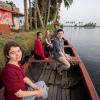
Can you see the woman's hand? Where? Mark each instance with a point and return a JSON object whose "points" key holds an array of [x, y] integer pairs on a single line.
{"points": [[45, 59], [36, 87], [39, 92], [67, 56]]}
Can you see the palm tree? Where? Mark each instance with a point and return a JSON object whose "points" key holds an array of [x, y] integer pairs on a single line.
{"points": [[35, 14], [30, 14], [49, 3], [44, 10], [67, 4], [49, 11], [26, 16], [11, 3], [40, 17]]}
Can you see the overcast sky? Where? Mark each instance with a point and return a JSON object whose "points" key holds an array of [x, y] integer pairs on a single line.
{"points": [[80, 10]]}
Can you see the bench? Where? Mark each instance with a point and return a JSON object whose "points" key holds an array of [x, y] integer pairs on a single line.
{"points": [[74, 60]]}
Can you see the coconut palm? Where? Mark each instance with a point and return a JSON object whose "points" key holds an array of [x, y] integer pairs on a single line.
{"points": [[49, 3], [30, 14], [44, 10], [67, 4], [49, 11], [26, 16], [35, 14]]}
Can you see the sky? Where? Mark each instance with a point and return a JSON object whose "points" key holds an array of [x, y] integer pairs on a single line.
{"points": [[80, 10]]}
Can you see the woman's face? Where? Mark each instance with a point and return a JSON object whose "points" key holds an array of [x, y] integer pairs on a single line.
{"points": [[15, 54], [47, 32]]}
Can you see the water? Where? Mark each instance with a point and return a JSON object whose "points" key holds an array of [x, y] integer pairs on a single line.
{"points": [[87, 44]]}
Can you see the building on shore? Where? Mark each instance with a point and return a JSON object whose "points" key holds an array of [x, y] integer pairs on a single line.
{"points": [[10, 18]]}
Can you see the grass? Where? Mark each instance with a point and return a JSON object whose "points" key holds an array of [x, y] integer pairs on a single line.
{"points": [[25, 39]]}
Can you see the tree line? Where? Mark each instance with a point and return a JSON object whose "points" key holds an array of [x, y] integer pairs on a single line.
{"points": [[40, 13]]}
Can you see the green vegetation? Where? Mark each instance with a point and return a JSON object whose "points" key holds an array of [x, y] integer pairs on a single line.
{"points": [[90, 25], [11, 3], [25, 39], [43, 12]]}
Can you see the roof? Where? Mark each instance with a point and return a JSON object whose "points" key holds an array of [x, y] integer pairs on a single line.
{"points": [[13, 12]]}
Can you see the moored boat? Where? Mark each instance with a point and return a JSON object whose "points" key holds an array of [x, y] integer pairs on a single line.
{"points": [[80, 86]]}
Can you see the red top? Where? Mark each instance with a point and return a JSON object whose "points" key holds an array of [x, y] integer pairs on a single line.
{"points": [[38, 48], [12, 77]]}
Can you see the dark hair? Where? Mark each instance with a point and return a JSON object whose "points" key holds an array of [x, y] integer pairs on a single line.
{"points": [[38, 33], [7, 47], [59, 30]]}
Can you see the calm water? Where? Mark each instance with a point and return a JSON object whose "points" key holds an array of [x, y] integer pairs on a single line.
{"points": [[87, 43]]}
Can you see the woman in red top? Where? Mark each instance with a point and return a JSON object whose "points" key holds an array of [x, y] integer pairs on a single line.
{"points": [[14, 79], [38, 48]]}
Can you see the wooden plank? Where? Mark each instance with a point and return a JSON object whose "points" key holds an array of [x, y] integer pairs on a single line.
{"points": [[68, 94], [54, 93], [43, 73], [59, 94], [58, 79], [50, 92], [48, 76], [35, 70], [52, 78], [63, 78], [47, 67], [63, 94], [53, 66]]}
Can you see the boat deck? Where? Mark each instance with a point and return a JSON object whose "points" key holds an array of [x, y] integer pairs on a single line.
{"points": [[48, 73]]}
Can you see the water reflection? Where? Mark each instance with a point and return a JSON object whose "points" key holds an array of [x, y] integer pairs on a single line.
{"points": [[86, 41]]}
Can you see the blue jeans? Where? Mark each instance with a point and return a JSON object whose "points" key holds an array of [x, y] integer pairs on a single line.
{"points": [[40, 84]]}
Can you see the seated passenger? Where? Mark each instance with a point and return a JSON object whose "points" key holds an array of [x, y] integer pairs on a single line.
{"points": [[38, 48], [17, 85], [48, 44], [58, 52]]}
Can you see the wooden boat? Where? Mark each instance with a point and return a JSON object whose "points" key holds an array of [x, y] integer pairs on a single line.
{"points": [[81, 86]]}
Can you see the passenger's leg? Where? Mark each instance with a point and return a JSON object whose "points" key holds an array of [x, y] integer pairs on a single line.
{"points": [[64, 64]]}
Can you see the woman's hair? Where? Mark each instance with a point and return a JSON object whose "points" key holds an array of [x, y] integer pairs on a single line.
{"points": [[7, 48]]}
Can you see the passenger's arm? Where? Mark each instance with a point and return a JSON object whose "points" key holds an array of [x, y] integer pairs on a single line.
{"points": [[66, 55], [61, 54], [30, 83], [41, 49], [21, 93], [47, 42]]}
